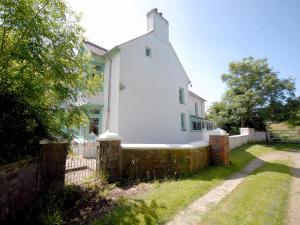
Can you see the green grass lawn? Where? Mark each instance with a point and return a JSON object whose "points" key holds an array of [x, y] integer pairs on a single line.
{"points": [[167, 198], [261, 199]]}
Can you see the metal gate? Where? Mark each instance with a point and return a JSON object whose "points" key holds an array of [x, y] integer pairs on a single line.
{"points": [[284, 136], [81, 162]]}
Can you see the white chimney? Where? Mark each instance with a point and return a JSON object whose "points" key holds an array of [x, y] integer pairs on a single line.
{"points": [[156, 22]]}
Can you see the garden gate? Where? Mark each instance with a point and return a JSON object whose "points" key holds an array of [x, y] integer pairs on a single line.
{"points": [[81, 161], [284, 136]]}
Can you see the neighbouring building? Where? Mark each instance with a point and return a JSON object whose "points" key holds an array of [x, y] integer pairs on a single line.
{"points": [[146, 96]]}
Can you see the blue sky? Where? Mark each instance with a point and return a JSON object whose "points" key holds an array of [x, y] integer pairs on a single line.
{"points": [[207, 34]]}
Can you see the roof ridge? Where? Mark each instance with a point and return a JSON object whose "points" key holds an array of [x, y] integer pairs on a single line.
{"points": [[194, 94], [95, 45]]}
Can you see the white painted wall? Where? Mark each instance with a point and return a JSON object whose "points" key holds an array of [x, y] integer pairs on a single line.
{"points": [[247, 135], [200, 134], [200, 102], [148, 109], [112, 73], [158, 24], [149, 104]]}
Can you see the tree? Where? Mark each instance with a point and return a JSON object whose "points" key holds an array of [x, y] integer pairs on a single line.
{"points": [[43, 65], [292, 110], [254, 95]]}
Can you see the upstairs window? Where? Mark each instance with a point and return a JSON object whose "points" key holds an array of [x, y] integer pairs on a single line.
{"points": [[196, 109], [182, 120], [148, 52], [181, 96], [99, 68]]}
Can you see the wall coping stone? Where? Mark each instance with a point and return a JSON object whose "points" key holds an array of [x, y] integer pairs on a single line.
{"points": [[218, 132], [108, 136], [239, 135], [192, 145]]}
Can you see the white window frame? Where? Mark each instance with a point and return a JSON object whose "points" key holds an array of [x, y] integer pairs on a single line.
{"points": [[196, 109], [181, 96], [183, 121]]}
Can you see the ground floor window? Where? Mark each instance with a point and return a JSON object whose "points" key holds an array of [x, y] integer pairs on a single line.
{"points": [[182, 120], [94, 126], [198, 124]]}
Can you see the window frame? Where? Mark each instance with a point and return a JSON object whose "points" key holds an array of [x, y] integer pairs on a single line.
{"points": [[196, 109], [181, 96], [183, 122], [148, 52]]}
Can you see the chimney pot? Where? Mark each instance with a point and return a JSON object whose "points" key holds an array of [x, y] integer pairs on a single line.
{"points": [[156, 22]]}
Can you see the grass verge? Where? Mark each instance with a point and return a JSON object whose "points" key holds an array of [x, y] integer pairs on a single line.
{"points": [[167, 198], [260, 199]]}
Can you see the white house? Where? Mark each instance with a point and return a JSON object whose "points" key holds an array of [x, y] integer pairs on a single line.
{"points": [[146, 97]]}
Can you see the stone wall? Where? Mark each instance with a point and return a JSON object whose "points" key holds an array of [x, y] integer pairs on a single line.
{"points": [[18, 185], [159, 163], [155, 161], [247, 135], [52, 163], [21, 182]]}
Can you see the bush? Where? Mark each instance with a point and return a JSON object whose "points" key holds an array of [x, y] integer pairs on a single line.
{"points": [[20, 129]]}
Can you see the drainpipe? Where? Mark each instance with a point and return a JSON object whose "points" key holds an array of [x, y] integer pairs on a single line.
{"points": [[109, 95]]}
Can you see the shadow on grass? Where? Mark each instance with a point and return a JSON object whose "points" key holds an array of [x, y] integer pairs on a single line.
{"points": [[239, 159], [290, 147], [140, 212], [132, 212]]}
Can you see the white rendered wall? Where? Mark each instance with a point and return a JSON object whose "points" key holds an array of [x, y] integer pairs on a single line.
{"points": [[195, 135], [247, 135], [111, 122], [149, 105], [158, 24], [200, 102]]}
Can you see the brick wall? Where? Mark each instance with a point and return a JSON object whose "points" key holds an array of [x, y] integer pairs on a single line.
{"points": [[52, 164], [20, 182], [219, 149], [18, 185], [159, 163]]}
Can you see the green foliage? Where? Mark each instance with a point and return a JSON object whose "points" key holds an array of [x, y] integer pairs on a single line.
{"points": [[243, 206], [170, 196], [43, 64], [255, 95], [42, 60], [20, 129], [292, 110]]}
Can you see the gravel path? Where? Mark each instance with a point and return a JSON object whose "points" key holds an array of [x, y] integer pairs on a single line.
{"points": [[294, 198], [193, 213]]}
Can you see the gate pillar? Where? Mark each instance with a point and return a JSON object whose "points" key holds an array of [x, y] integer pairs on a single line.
{"points": [[109, 156], [219, 147]]}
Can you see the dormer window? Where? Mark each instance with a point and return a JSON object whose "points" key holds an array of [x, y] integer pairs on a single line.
{"points": [[148, 52]]}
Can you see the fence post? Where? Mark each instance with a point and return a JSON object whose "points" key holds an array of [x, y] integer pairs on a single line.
{"points": [[219, 147], [109, 156]]}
